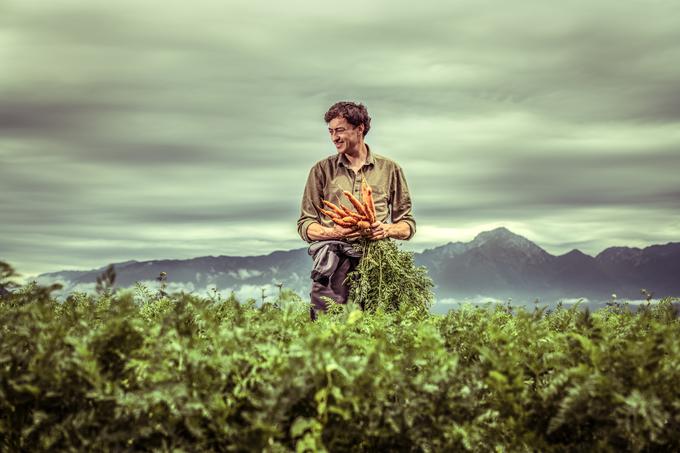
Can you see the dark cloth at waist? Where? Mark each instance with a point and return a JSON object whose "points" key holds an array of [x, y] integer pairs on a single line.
{"points": [[327, 255]]}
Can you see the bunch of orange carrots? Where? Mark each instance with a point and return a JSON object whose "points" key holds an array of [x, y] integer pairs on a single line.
{"points": [[364, 216]]}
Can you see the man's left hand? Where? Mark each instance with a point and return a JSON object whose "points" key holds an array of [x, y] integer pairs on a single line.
{"points": [[380, 230]]}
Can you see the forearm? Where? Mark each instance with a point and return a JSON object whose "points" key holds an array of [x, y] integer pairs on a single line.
{"points": [[318, 232], [399, 230]]}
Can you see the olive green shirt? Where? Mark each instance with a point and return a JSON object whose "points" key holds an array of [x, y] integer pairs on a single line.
{"points": [[329, 177]]}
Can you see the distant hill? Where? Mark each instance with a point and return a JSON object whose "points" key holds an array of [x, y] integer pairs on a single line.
{"points": [[496, 264], [291, 268], [503, 264]]}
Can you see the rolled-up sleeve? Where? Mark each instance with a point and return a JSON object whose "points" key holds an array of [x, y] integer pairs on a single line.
{"points": [[401, 201], [311, 197]]}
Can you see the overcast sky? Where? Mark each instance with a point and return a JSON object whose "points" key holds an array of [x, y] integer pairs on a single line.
{"points": [[165, 129]]}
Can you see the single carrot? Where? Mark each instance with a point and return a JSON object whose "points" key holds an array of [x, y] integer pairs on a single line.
{"points": [[363, 225], [356, 203], [349, 219], [370, 218], [367, 198], [330, 214], [358, 216], [339, 211], [364, 189], [346, 209], [341, 223], [371, 205]]}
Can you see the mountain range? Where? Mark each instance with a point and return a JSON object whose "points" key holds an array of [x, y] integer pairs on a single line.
{"points": [[502, 264], [497, 264]]}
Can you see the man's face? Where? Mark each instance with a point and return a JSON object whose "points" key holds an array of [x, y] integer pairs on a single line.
{"points": [[345, 137]]}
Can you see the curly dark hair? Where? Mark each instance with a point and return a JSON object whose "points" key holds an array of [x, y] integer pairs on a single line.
{"points": [[354, 113]]}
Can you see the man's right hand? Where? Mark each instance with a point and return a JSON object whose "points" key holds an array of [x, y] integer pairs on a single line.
{"points": [[318, 232]]}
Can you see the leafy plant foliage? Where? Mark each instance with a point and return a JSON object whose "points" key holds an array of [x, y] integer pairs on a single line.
{"points": [[387, 279], [131, 371]]}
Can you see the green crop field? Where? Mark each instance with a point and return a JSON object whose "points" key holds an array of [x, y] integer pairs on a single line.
{"points": [[138, 370]]}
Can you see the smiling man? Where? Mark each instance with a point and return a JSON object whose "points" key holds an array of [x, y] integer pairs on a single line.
{"points": [[348, 124]]}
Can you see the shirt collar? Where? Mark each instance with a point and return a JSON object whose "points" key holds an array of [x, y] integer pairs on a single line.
{"points": [[369, 158]]}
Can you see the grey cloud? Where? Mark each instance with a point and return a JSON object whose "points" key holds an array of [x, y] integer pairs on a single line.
{"points": [[23, 116], [92, 223], [262, 211], [534, 202]]}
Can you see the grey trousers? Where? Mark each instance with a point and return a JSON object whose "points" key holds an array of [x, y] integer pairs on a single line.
{"points": [[332, 287]]}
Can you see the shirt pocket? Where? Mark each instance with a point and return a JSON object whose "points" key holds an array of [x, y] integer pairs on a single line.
{"points": [[381, 203]]}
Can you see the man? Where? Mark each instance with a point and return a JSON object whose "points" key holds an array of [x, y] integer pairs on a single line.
{"points": [[348, 124]]}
